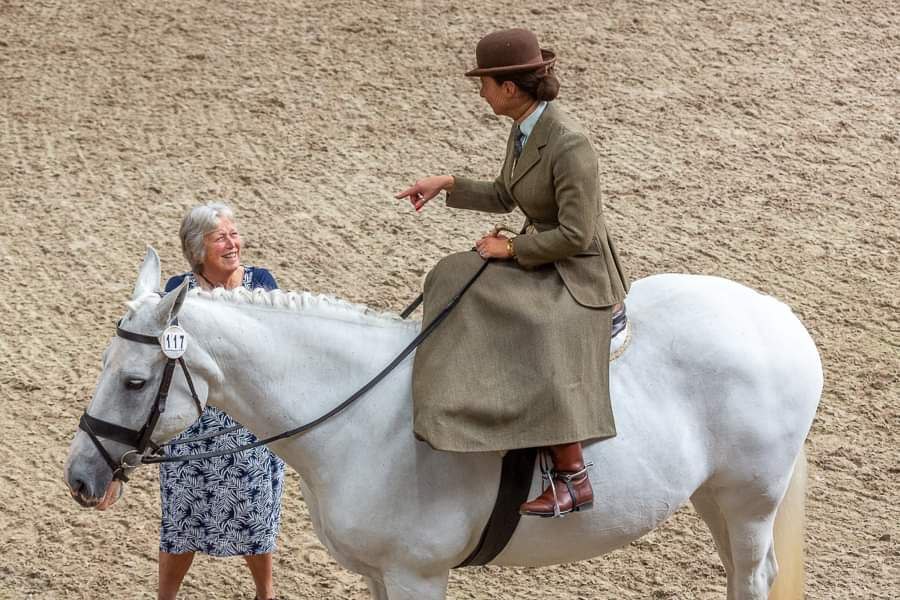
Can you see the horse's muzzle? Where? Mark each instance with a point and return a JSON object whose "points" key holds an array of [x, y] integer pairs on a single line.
{"points": [[85, 501], [79, 490]]}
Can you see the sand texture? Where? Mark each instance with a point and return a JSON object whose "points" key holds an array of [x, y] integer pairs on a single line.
{"points": [[758, 141]]}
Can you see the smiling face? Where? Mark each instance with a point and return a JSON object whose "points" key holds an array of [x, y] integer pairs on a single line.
{"points": [[222, 248]]}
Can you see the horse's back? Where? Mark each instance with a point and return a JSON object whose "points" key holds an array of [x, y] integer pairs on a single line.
{"points": [[710, 325]]}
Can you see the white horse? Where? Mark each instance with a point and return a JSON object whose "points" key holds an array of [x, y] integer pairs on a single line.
{"points": [[713, 399]]}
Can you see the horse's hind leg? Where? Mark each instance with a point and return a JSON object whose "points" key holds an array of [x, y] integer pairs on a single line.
{"points": [[706, 507], [749, 516]]}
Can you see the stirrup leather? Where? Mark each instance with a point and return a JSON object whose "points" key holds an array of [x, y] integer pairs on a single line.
{"points": [[567, 479]]}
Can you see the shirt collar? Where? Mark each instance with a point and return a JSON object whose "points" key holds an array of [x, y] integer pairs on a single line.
{"points": [[527, 126]]}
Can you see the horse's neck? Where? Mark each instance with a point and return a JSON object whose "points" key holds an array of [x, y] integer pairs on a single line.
{"points": [[281, 369]]}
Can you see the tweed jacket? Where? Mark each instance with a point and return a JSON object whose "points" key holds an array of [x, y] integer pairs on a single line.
{"points": [[555, 183]]}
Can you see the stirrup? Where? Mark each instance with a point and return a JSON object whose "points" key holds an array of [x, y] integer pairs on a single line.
{"points": [[567, 479], [549, 474]]}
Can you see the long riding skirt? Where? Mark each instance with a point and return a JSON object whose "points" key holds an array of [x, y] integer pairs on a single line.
{"points": [[517, 364]]}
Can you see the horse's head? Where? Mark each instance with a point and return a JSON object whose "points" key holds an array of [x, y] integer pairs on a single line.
{"points": [[142, 397]]}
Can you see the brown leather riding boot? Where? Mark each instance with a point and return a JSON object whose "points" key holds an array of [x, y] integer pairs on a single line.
{"points": [[569, 481]]}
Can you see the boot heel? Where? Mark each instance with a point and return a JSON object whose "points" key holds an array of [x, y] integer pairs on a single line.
{"points": [[585, 506]]}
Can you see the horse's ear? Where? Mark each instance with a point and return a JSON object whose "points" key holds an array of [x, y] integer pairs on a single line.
{"points": [[171, 303], [148, 276]]}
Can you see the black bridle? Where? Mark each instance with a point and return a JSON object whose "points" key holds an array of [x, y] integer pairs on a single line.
{"points": [[140, 439]]}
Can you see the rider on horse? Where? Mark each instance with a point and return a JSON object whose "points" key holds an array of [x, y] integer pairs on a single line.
{"points": [[523, 359]]}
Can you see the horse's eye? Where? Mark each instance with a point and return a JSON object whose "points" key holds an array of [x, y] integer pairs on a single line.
{"points": [[134, 384]]}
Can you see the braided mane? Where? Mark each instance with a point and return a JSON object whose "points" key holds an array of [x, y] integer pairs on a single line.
{"points": [[323, 305]]}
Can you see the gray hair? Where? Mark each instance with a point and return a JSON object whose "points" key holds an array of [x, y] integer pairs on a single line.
{"points": [[197, 223]]}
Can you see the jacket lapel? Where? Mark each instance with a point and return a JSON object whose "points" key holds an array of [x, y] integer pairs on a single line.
{"points": [[531, 154], [509, 160]]}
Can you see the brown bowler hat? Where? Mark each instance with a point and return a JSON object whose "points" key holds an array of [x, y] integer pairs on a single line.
{"points": [[510, 51]]}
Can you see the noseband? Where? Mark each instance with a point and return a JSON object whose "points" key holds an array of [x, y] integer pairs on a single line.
{"points": [[137, 439]]}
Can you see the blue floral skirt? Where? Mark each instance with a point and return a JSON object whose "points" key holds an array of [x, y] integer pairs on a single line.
{"points": [[224, 506]]}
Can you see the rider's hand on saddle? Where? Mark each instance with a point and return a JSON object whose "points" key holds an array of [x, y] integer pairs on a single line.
{"points": [[493, 245], [425, 189]]}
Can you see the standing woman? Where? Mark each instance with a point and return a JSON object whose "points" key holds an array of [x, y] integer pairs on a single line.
{"points": [[523, 360], [229, 505]]}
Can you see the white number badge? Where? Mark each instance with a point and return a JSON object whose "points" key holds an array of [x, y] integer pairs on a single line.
{"points": [[173, 341]]}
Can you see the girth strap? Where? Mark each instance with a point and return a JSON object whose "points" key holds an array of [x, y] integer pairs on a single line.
{"points": [[515, 483]]}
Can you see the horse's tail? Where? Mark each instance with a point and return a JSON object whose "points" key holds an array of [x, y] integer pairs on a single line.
{"points": [[789, 532]]}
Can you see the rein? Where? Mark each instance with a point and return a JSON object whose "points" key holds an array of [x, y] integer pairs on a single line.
{"points": [[214, 434], [140, 440]]}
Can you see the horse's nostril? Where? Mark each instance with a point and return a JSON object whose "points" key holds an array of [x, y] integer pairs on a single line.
{"points": [[78, 486]]}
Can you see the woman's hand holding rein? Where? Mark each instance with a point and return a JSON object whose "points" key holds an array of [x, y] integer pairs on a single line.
{"points": [[425, 189], [494, 245]]}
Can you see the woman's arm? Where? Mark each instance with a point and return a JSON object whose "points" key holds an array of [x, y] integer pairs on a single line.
{"points": [[263, 278], [480, 195], [425, 189], [461, 193], [576, 186], [174, 282]]}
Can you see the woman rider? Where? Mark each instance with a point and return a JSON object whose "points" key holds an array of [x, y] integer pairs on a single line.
{"points": [[522, 361]]}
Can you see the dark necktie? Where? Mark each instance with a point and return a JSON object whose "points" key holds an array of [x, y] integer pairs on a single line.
{"points": [[519, 141]]}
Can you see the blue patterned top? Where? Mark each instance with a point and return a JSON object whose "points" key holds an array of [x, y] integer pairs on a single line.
{"points": [[254, 277], [224, 506]]}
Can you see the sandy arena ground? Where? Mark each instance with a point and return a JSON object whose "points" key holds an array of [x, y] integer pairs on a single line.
{"points": [[755, 140]]}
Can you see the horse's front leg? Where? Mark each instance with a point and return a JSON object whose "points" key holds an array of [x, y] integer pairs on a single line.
{"points": [[403, 584]]}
